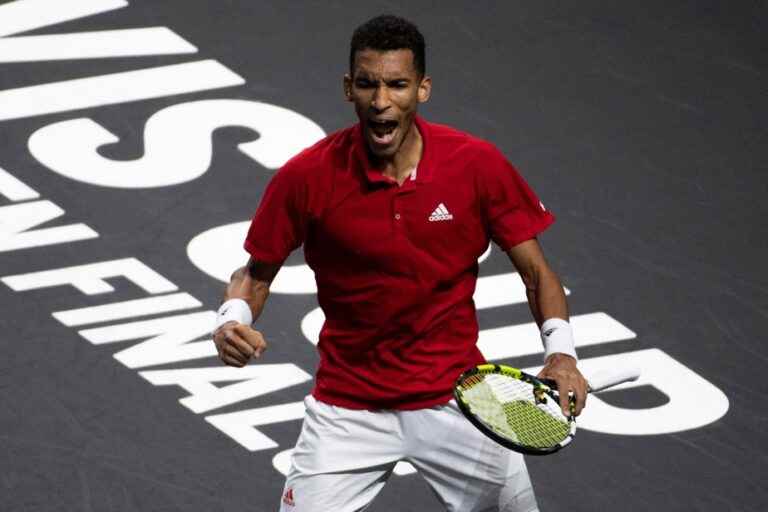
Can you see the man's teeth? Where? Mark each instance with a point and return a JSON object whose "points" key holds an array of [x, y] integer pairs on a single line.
{"points": [[383, 127]]}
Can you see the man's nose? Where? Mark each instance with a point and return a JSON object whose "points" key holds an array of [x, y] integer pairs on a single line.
{"points": [[380, 100]]}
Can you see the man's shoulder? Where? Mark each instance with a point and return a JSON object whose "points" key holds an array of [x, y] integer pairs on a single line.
{"points": [[325, 153], [448, 139]]}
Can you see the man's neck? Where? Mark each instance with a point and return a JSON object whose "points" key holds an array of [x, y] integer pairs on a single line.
{"points": [[407, 158]]}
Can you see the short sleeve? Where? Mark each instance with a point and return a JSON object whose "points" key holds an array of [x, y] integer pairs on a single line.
{"points": [[279, 224], [511, 209]]}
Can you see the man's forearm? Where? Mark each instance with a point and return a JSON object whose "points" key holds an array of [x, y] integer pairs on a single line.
{"points": [[251, 283], [546, 297], [244, 297]]}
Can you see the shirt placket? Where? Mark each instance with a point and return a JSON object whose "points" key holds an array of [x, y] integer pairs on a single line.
{"points": [[401, 209], [400, 197]]}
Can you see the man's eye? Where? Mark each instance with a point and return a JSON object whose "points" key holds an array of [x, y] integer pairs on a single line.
{"points": [[400, 84], [363, 84]]}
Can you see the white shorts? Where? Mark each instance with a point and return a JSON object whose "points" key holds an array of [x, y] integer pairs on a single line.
{"points": [[343, 458]]}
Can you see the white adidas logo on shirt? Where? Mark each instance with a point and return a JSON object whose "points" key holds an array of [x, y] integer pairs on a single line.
{"points": [[440, 213]]}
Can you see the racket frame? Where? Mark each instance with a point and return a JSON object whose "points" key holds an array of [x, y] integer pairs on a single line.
{"points": [[546, 386]]}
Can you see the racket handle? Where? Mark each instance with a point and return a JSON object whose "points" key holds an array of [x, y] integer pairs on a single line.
{"points": [[608, 378]]}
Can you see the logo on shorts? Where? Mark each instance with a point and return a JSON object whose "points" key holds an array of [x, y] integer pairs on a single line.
{"points": [[440, 213], [288, 497]]}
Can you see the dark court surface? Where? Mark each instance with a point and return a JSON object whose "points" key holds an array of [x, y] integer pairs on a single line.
{"points": [[642, 126]]}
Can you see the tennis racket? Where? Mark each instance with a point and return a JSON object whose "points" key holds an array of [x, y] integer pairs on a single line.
{"points": [[520, 411]]}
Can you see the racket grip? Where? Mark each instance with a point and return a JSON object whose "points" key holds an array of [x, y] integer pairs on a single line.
{"points": [[608, 378]]}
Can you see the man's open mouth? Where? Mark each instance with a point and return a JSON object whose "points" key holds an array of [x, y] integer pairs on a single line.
{"points": [[382, 131]]}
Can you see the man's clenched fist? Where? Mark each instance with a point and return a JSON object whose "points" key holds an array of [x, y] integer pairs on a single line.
{"points": [[237, 343]]}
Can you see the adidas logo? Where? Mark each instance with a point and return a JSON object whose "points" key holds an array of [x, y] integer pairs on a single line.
{"points": [[440, 213]]}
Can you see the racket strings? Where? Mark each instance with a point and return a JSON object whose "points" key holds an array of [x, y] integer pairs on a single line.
{"points": [[508, 406]]}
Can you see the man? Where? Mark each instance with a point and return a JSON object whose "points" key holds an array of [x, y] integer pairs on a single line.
{"points": [[393, 214]]}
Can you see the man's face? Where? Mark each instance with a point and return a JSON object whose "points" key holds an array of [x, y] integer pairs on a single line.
{"points": [[386, 89]]}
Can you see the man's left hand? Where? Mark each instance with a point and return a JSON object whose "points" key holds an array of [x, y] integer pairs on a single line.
{"points": [[562, 369]]}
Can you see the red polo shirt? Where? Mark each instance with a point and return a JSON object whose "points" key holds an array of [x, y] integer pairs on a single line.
{"points": [[396, 266]]}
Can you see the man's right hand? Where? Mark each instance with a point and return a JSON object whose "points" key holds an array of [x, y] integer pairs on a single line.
{"points": [[237, 343]]}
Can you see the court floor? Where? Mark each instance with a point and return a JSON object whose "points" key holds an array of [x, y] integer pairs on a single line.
{"points": [[136, 138]]}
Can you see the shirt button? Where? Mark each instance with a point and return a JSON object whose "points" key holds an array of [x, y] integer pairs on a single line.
{"points": [[397, 216]]}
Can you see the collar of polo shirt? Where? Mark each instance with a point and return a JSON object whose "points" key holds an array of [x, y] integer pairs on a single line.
{"points": [[422, 173]]}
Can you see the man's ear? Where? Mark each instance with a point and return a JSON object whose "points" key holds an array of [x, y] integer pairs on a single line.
{"points": [[348, 87], [425, 89]]}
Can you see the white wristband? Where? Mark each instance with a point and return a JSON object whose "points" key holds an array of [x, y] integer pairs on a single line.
{"points": [[557, 336], [234, 309]]}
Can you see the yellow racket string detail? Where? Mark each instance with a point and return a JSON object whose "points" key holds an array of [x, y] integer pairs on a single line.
{"points": [[533, 426], [507, 406], [483, 404]]}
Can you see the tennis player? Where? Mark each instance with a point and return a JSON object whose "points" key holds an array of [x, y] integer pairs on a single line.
{"points": [[393, 213]]}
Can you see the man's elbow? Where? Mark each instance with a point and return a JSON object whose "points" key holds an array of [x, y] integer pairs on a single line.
{"points": [[531, 278]]}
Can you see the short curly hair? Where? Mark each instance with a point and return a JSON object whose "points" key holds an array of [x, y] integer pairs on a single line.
{"points": [[387, 32]]}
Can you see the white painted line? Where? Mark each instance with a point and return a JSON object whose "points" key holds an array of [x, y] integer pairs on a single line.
{"points": [[525, 339], [13, 189], [130, 42], [115, 88], [240, 425], [127, 309], [25, 15]]}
